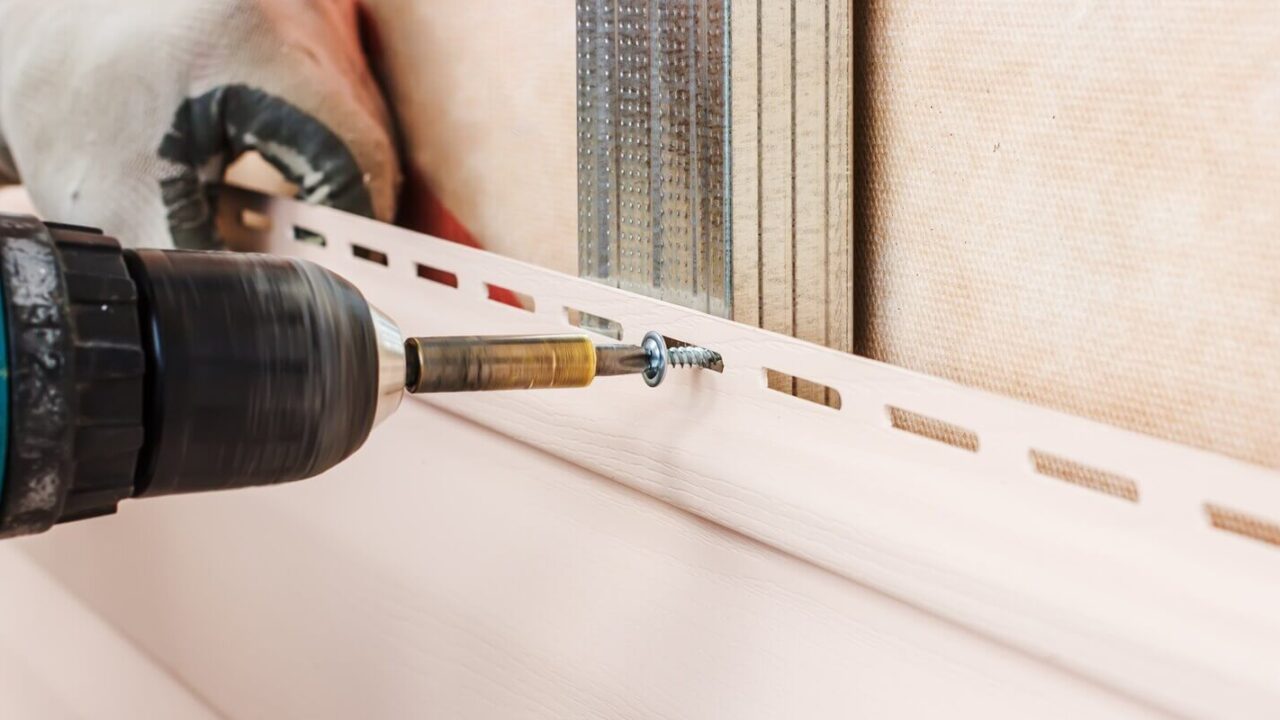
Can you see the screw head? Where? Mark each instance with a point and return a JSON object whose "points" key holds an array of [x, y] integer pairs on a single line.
{"points": [[655, 346]]}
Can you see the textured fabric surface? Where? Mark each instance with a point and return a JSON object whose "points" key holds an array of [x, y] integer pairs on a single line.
{"points": [[1078, 204]]}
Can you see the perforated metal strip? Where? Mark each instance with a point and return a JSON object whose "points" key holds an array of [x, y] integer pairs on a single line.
{"points": [[653, 96]]}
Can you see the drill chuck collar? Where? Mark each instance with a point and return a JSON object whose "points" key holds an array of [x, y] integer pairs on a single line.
{"points": [[133, 373]]}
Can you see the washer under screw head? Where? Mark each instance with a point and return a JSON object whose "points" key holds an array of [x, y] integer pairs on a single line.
{"points": [[661, 357], [655, 347]]}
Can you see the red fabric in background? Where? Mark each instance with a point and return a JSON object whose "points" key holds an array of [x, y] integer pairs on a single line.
{"points": [[421, 210]]}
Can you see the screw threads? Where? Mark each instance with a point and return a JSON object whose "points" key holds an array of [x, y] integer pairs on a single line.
{"points": [[660, 357], [689, 356]]}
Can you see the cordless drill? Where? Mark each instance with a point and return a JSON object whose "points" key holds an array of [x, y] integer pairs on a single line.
{"points": [[138, 373]]}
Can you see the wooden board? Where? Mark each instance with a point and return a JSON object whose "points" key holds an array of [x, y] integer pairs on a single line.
{"points": [[838, 166], [792, 160], [777, 169], [745, 164]]}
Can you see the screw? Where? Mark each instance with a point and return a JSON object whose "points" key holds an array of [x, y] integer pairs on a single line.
{"points": [[660, 357], [690, 356]]}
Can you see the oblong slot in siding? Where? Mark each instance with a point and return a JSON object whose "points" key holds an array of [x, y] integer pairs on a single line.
{"points": [[593, 323], [507, 296], [816, 393], [1085, 476], [933, 428], [437, 275], [1250, 526], [368, 253]]}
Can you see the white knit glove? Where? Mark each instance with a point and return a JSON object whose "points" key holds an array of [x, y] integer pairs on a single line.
{"points": [[124, 114]]}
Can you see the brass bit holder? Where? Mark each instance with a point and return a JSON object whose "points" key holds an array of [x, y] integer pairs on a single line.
{"points": [[477, 363]]}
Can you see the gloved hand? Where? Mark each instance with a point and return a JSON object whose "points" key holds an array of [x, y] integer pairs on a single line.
{"points": [[124, 114]]}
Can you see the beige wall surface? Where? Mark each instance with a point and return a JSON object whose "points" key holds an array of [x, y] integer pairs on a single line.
{"points": [[485, 91], [1079, 204]]}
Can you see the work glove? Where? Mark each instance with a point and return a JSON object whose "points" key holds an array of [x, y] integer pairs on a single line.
{"points": [[125, 114]]}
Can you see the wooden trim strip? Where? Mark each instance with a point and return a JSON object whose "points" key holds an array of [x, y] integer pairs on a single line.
{"points": [[792, 192]]}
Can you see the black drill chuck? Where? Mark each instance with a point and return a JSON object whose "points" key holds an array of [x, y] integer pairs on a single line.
{"points": [[135, 373]]}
